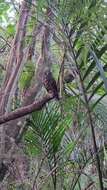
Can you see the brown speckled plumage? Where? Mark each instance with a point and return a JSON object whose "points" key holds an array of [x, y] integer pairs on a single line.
{"points": [[50, 84]]}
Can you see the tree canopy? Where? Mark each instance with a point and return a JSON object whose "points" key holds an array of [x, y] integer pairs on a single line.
{"points": [[53, 94]]}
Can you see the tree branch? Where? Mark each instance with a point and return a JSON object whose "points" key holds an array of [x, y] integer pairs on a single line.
{"points": [[20, 112]]}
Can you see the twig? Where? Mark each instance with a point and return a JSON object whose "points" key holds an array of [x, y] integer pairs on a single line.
{"points": [[50, 173], [5, 41], [89, 185], [15, 8], [39, 169], [2, 67]]}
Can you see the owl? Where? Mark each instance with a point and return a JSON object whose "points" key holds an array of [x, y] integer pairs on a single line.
{"points": [[50, 84]]}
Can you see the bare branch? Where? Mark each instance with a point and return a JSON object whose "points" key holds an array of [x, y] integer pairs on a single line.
{"points": [[16, 57], [20, 112]]}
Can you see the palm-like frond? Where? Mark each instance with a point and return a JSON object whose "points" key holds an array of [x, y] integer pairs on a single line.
{"points": [[45, 134], [91, 37], [81, 27]]}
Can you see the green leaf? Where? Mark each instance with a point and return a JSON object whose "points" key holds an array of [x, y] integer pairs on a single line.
{"points": [[100, 68], [10, 29], [27, 75]]}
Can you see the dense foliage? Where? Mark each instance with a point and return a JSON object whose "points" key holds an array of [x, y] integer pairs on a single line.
{"points": [[60, 144]]}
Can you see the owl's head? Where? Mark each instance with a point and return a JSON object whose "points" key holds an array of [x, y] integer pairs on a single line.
{"points": [[47, 73]]}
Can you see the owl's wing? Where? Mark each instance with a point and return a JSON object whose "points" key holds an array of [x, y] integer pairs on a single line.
{"points": [[50, 84]]}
